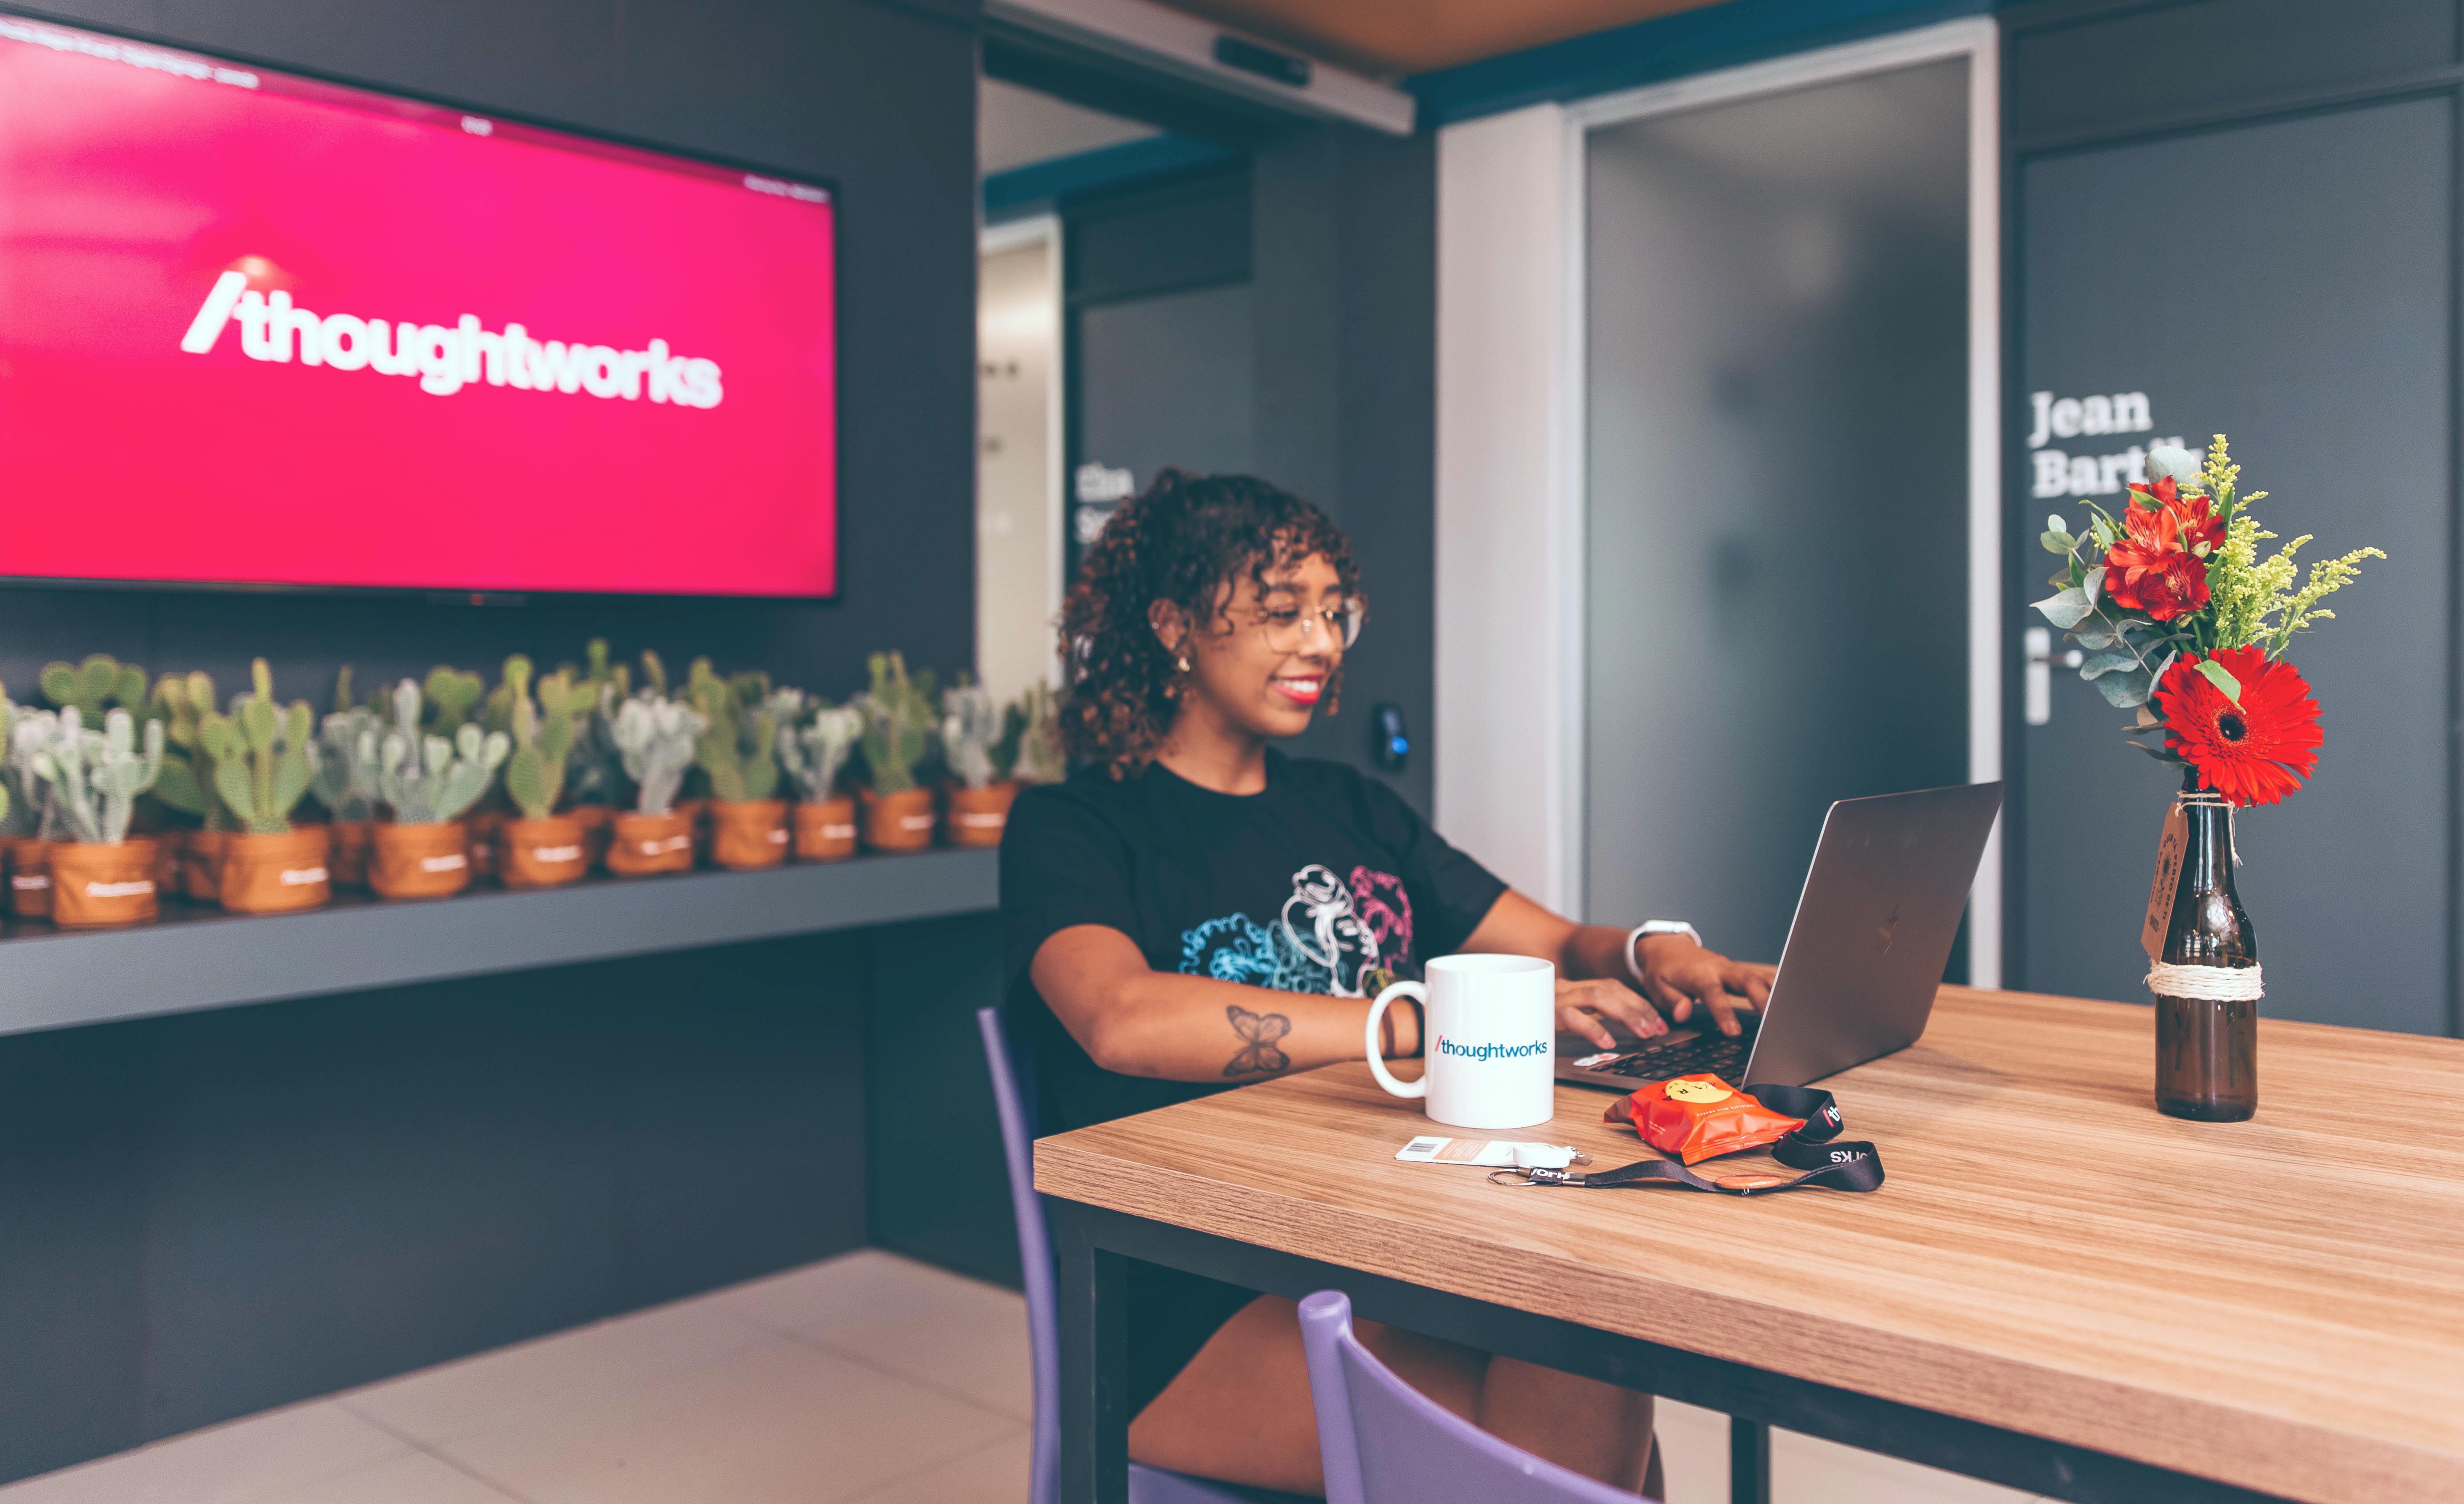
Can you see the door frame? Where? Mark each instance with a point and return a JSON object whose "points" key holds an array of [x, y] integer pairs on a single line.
{"points": [[1510, 768], [1016, 235]]}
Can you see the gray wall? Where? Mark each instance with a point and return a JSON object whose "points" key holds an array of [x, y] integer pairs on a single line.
{"points": [[204, 1215]]}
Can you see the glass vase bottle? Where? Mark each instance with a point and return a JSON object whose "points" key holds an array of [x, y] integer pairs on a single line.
{"points": [[2207, 1048]]}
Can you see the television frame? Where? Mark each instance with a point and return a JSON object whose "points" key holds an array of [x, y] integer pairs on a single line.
{"points": [[447, 595]]}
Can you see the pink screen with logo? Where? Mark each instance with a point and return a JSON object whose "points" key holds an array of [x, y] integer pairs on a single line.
{"points": [[256, 329]]}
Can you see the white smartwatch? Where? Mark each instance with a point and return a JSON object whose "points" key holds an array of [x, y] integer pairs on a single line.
{"points": [[1633, 967]]}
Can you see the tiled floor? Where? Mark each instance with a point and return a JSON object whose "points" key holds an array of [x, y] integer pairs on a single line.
{"points": [[865, 1377]]}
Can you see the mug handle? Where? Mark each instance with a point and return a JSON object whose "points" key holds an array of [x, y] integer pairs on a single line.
{"points": [[1377, 1010]]}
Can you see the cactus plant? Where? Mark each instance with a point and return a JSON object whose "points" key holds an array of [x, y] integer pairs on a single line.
{"points": [[19, 808], [32, 736], [451, 694], [94, 686], [656, 737], [654, 673], [178, 703], [426, 778], [971, 723], [263, 756], [92, 778], [543, 735], [899, 723], [345, 781], [1029, 750], [813, 754], [737, 748]]}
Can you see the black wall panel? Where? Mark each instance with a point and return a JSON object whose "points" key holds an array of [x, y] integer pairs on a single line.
{"points": [[203, 1216]]}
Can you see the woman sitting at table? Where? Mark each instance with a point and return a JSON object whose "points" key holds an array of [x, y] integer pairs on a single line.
{"points": [[1193, 911]]}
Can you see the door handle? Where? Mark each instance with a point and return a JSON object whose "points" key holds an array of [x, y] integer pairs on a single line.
{"points": [[2038, 642]]}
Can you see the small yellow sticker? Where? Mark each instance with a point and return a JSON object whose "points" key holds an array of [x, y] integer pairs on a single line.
{"points": [[1699, 1092]]}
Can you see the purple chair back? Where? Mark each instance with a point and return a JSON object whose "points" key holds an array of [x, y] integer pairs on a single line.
{"points": [[1013, 1100], [1386, 1443]]}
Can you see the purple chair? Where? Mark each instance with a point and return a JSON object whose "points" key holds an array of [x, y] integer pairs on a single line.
{"points": [[1386, 1443], [1147, 1485]]}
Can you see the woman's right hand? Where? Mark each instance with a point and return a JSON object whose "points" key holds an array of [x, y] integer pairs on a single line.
{"points": [[1583, 1006]]}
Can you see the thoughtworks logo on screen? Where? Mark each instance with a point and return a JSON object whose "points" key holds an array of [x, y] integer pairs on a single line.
{"points": [[445, 359], [1447, 1047]]}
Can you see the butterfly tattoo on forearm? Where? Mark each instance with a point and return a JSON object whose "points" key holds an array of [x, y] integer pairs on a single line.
{"points": [[1261, 1031]]}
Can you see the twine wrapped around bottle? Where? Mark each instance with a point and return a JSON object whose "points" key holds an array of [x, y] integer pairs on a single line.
{"points": [[2204, 984]]}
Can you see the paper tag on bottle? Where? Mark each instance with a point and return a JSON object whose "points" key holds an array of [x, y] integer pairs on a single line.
{"points": [[2168, 882]]}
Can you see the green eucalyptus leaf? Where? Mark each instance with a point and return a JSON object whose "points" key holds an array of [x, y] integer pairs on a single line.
{"points": [[2092, 640], [2057, 543], [2066, 611], [2217, 674], [2054, 523], [2092, 584], [2101, 664], [2122, 691]]}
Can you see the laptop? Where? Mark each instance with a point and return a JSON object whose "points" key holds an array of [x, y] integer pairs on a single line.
{"points": [[1873, 931]]}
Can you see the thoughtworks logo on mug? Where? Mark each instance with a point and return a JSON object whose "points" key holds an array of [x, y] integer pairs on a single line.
{"points": [[445, 358], [1447, 1047]]}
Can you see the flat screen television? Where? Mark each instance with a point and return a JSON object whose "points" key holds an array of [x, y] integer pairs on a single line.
{"points": [[264, 330]]}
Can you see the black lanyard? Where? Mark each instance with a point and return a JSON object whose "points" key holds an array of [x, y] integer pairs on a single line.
{"points": [[1843, 1166]]}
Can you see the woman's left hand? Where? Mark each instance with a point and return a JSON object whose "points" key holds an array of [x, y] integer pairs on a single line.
{"points": [[1682, 976]]}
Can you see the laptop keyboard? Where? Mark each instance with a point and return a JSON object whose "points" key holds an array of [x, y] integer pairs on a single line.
{"points": [[1719, 1054]]}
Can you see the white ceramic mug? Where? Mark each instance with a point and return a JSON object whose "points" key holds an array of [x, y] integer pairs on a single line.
{"points": [[1489, 1034]]}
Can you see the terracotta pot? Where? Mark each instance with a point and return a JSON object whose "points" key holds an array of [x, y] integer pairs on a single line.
{"points": [[825, 831], [542, 853], [271, 873], [977, 816], [30, 877], [598, 828], [349, 857], [644, 844], [899, 822], [430, 860], [95, 885], [698, 810], [169, 848], [487, 841], [201, 866], [748, 833]]}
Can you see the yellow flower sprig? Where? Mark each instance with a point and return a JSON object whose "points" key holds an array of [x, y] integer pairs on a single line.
{"points": [[2245, 591]]}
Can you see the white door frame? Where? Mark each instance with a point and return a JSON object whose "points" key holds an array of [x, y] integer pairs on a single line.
{"points": [[1508, 744], [1012, 234]]}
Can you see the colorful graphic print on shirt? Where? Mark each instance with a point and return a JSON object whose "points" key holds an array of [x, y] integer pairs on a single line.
{"points": [[1347, 938]]}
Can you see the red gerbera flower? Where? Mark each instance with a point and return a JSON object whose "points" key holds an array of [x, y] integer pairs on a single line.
{"points": [[2153, 569], [2254, 753]]}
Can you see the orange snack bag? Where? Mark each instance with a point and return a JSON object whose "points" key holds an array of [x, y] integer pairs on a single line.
{"points": [[1698, 1117]]}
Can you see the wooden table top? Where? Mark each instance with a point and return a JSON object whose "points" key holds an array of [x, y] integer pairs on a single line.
{"points": [[2277, 1304]]}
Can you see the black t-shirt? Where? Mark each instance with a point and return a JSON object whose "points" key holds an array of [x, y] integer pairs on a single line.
{"points": [[1326, 882]]}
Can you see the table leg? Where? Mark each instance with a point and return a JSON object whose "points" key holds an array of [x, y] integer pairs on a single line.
{"points": [[1749, 1461], [1094, 1364]]}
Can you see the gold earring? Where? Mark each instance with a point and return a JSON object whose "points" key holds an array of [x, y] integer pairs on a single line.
{"points": [[1184, 663]]}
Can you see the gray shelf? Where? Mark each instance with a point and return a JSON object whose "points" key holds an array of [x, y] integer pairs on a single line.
{"points": [[203, 958]]}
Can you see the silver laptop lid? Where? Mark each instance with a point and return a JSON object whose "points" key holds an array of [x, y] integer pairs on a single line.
{"points": [[1873, 930]]}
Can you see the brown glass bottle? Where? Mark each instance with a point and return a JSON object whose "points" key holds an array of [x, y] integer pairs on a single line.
{"points": [[2207, 1053]]}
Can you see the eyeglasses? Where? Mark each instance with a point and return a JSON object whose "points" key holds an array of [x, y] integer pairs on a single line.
{"points": [[1288, 628]]}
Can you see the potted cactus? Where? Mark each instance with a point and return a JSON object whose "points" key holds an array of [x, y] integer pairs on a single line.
{"points": [[186, 786], [542, 849], [738, 752], [33, 734], [427, 781], [346, 784], [94, 687], [262, 758], [1030, 750], [812, 754], [899, 726], [101, 874], [656, 737], [979, 796], [594, 778]]}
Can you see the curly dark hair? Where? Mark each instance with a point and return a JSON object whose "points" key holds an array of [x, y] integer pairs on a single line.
{"points": [[1183, 540]]}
